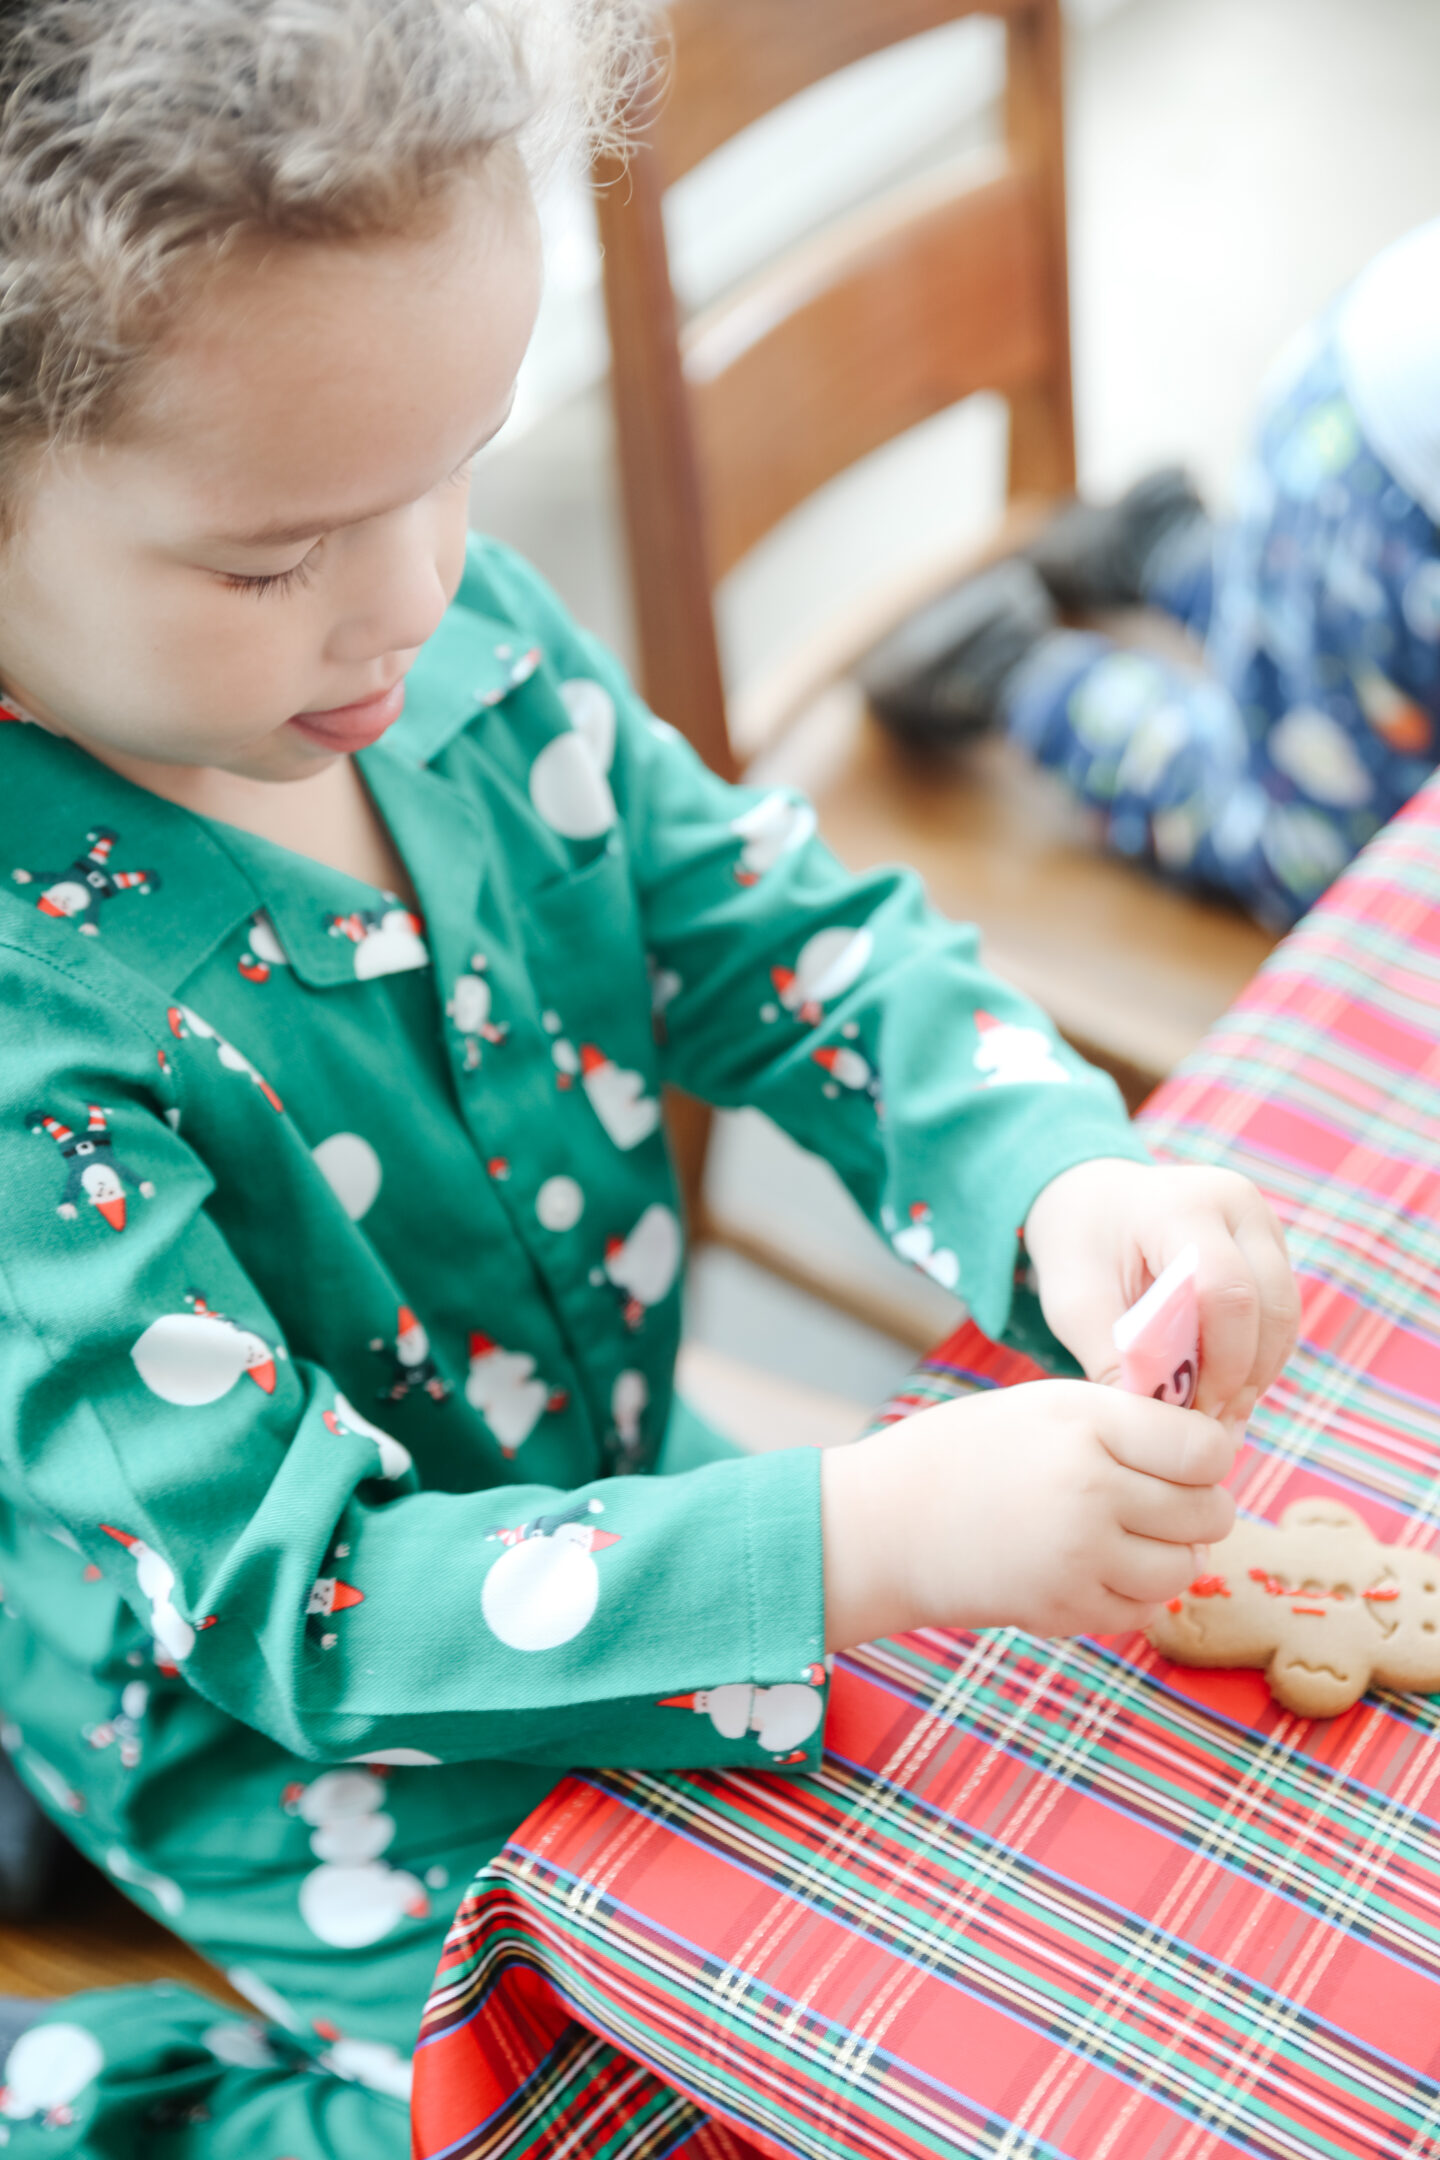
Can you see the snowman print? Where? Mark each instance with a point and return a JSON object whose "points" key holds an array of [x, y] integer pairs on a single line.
{"points": [[196, 1357], [643, 1266], [665, 987], [770, 828], [848, 1071], [916, 1243], [353, 1897], [263, 951], [46, 2071], [781, 1717], [828, 965], [468, 1007], [545, 1586], [330, 1595], [618, 1098], [185, 1022], [569, 784], [411, 1365], [503, 1386], [629, 1400], [1011, 1055], [388, 940], [94, 1173], [373, 2063], [344, 1420], [155, 1579]]}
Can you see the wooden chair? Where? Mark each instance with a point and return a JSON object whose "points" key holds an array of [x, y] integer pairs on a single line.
{"points": [[952, 283]]}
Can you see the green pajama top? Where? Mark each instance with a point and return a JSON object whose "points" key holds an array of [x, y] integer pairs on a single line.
{"points": [[339, 1255]]}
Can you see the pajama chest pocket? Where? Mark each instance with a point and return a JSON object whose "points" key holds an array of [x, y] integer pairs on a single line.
{"points": [[587, 958]]}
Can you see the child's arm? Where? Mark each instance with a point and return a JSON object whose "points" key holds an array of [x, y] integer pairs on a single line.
{"points": [[866, 1026], [271, 1537]]}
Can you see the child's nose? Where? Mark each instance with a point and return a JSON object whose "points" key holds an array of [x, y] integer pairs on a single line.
{"points": [[394, 592]]}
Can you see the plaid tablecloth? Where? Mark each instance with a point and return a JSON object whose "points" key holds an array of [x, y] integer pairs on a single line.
{"points": [[1051, 1899]]}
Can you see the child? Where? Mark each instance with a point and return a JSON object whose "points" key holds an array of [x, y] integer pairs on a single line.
{"points": [[355, 913], [1320, 608]]}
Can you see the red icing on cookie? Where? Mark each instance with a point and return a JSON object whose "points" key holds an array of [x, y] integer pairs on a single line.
{"points": [[1209, 1586]]}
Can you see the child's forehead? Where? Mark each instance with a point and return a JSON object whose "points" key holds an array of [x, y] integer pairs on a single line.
{"points": [[311, 381]]}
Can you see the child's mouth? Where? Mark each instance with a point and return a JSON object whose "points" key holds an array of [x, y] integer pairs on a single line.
{"points": [[352, 727]]}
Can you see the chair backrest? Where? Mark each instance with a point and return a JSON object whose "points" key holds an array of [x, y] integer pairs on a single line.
{"points": [[949, 284]]}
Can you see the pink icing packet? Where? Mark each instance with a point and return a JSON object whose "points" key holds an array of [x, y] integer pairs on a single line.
{"points": [[1159, 1337]]}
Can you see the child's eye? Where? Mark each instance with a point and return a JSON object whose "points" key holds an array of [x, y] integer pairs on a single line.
{"points": [[280, 581]]}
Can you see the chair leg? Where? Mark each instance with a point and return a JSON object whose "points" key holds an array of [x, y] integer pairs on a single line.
{"points": [[688, 1123]]}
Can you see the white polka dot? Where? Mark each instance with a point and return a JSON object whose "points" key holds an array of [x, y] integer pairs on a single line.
{"points": [[351, 1168], [559, 1203], [769, 1012], [550, 1021], [569, 790]]}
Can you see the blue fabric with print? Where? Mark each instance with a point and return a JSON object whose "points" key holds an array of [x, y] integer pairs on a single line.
{"points": [[1316, 717]]}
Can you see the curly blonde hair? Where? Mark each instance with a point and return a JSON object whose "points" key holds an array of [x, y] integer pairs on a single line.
{"points": [[138, 137]]}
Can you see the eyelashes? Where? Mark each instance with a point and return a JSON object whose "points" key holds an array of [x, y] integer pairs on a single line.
{"points": [[281, 581]]}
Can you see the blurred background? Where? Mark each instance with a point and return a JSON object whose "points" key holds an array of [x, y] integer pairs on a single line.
{"points": [[1230, 165]]}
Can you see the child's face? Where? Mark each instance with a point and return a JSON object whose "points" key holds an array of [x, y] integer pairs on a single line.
{"points": [[310, 420]]}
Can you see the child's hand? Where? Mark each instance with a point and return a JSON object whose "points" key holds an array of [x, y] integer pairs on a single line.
{"points": [[1100, 1233], [1061, 1508]]}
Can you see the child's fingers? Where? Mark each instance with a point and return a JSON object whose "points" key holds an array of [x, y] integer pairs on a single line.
{"points": [[1262, 1242], [1148, 1570], [1148, 1507], [1230, 1312], [1182, 1447]]}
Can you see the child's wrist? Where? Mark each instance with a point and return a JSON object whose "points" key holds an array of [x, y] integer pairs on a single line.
{"points": [[868, 1497]]}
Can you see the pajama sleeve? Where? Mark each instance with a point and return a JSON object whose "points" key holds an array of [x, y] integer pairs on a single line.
{"points": [[844, 1007], [275, 1542]]}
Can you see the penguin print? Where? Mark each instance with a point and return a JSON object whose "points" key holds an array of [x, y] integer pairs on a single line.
{"points": [[78, 893], [123, 1729], [618, 1098], [264, 950], [196, 1357], [388, 940], [411, 1363], [519, 668], [781, 1717], [1011, 1055], [468, 1007], [545, 1586], [155, 1578], [828, 965], [95, 1174], [186, 1022], [45, 2073], [502, 1385], [353, 1897], [769, 829], [643, 1266]]}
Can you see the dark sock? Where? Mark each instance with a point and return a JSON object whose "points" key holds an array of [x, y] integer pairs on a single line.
{"points": [[943, 674], [1097, 555]]}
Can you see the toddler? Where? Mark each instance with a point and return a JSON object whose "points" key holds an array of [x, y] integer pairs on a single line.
{"points": [[353, 914]]}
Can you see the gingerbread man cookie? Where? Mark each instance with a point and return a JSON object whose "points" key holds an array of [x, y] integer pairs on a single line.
{"points": [[1319, 1604]]}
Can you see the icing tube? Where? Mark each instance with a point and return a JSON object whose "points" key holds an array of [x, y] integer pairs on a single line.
{"points": [[1159, 1337]]}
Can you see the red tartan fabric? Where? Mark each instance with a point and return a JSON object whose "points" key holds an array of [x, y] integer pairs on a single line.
{"points": [[1052, 1899]]}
